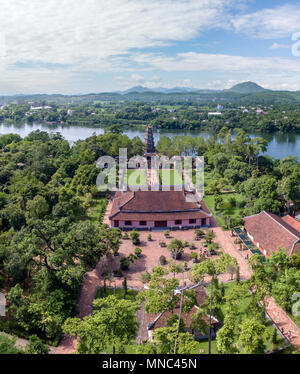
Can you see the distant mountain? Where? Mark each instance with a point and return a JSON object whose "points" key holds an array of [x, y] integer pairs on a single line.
{"points": [[246, 88], [241, 88], [243, 93], [141, 89], [138, 89]]}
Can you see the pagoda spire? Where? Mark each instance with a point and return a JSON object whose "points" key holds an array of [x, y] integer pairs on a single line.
{"points": [[149, 147]]}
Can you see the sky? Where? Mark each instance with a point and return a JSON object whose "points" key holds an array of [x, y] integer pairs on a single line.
{"points": [[72, 47]]}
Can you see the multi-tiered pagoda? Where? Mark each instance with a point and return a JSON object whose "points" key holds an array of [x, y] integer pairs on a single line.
{"points": [[149, 147], [157, 209]]}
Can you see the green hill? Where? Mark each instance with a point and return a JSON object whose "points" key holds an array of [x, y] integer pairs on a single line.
{"points": [[246, 87]]}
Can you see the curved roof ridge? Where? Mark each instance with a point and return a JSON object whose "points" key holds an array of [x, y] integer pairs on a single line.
{"points": [[283, 226]]}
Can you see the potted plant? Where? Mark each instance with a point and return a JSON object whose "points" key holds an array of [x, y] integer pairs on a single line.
{"points": [[138, 251], [199, 234], [118, 273], [167, 233], [149, 237], [209, 236], [135, 237], [124, 263], [162, 260], [212, 248], [125, 236], [162, 244], [132, 257], [194, 256], [192, 245]]}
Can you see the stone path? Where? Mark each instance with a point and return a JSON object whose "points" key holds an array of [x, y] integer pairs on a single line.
{"points": [[152, 177], [226, 242], [108, 210], [283, 321], [85, 302], [277, 314]]}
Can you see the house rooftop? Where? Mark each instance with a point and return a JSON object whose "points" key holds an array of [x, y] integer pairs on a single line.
{"points": [[272, 232], [148, 204], [155, 321], [292, 222]]}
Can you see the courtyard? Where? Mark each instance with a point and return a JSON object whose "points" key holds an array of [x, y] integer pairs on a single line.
{"points": [[150, 257], [152, 252]]}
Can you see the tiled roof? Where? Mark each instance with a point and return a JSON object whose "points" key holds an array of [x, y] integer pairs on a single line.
{"points": [[160, 320], [147, 205], [271, 232], [292, 222], [119, 200]]}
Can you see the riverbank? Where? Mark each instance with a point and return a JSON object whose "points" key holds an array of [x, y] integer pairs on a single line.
{"points": [[280, 145]]}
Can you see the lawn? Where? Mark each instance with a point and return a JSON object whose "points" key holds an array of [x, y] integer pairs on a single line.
{"points": [[131, 294], [234, 211], [137, 178], [294, 318], [96, 210], [244, 305], [170, 178], [203, 345]]}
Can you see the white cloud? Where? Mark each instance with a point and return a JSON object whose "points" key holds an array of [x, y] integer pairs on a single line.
{"points": [[56, 46], [68, 37], [272, 72], [58, 32], [192, 61], [273, 23], [139, 80], [280, 46]]}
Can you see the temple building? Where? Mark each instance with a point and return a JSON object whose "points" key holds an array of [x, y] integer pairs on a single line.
{"points": [[270, 233], [157, 209]]}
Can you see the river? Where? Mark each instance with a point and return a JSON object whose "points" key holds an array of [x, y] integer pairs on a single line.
{"points": [[280, 145]]}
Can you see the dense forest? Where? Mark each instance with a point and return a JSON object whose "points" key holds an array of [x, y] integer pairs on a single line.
{"points": [[117, 117], [50, 234]]}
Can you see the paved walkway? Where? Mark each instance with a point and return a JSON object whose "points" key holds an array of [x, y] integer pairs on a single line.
{"points": [[152, 177], [277, 314], [283, 321], [22, 343], [108, 210]]}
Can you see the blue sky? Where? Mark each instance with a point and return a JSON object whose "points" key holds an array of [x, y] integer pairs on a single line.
{"points": [[99, 45]]}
